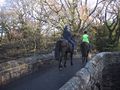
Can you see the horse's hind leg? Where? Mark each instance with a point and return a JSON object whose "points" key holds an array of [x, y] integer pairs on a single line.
{"points": [[71, 57], [83, 61], [65, 58], [60, 63], [86, 59]]}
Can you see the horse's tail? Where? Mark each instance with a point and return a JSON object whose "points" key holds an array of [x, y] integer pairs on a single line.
{"points": [[84, 49], [57, 50]]}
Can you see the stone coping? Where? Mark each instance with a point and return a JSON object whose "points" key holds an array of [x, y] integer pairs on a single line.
{"points": [[89, 77], [17, 68]]}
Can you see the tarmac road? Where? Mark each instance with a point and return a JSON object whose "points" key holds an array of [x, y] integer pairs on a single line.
{"points": [[48, 77]]}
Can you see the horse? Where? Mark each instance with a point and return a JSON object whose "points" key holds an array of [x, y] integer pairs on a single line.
{"points": [[85, 49], [62, 48]]}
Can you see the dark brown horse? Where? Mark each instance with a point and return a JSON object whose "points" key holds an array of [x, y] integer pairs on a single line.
{"points": [[62, 48], [85, 49]]}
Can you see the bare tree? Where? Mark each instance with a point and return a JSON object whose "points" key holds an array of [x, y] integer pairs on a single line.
{"points": [[112, 21], [73, 12]]}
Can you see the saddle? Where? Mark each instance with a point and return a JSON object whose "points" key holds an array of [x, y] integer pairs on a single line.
{"points": [[65, 43]]}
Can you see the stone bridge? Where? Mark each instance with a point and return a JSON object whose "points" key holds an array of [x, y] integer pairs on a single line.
{"points": [[100, 73]]}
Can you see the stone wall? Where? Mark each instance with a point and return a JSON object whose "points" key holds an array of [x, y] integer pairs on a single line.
{"points": [[95, 73], [17, 68], [111, 72]]}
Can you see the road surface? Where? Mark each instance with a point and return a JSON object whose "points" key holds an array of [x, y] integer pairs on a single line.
{"points": [[48, 77]]}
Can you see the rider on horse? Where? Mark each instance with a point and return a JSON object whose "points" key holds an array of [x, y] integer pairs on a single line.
{"points": [[68, 36], [85, 39]]}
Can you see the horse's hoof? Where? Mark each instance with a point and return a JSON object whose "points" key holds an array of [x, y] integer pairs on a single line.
{"points": [[71, 64], [60, 69], [65, 66]]}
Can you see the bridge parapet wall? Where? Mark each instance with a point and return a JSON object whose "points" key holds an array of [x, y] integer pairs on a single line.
{"points": [[92, 76], [15, 69]]}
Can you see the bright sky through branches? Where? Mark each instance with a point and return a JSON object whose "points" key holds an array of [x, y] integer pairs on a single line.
{"points": [[2, 2], [91, 3]]}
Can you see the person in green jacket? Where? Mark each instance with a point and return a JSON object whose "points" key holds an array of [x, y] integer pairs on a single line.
{"points": [[85, 37]]}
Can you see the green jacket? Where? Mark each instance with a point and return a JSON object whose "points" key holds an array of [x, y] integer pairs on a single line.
{"points": [[85, 38]]}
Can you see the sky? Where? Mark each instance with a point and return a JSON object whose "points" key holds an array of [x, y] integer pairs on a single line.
{"points": [[91, 2], [2, 2]]}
